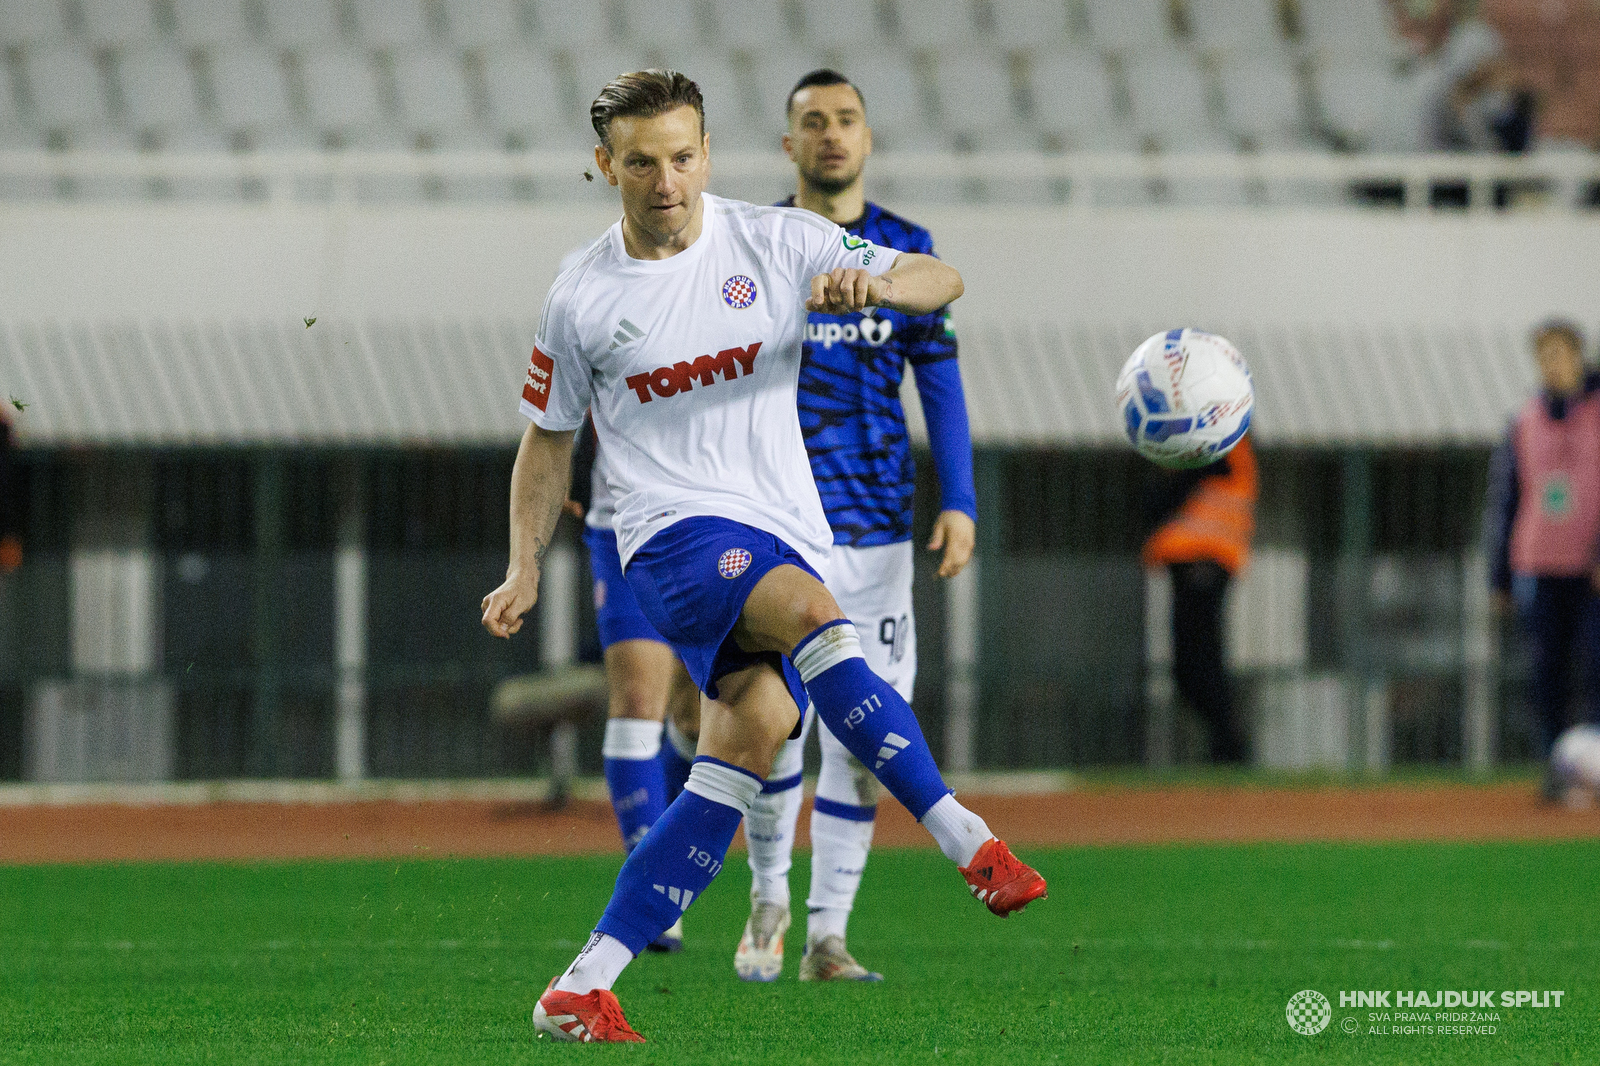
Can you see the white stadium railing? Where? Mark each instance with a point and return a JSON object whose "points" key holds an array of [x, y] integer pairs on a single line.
{"points": [[1566, 180]]}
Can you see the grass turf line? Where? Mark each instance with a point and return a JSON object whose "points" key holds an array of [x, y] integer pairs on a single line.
{"points": [[1183, 954]]}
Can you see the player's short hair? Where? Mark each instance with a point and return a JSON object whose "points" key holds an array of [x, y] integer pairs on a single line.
{"points": [[644, 94], [1560, 327], [822, 76]]}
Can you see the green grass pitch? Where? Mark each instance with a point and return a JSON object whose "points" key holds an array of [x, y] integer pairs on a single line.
{"points": [[1140, 955]]}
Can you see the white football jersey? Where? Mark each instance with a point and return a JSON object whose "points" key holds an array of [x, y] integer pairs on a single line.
{"points": [[689, 367]]}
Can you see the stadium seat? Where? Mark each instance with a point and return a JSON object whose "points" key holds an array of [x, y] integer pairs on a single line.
{"points": [[977, 102], [1168, 93], [252, 94], [307, 23], [528, 102], [31, 22], [734, 116], [1356, 100], [1073, 103], [1237, 27], [752, 24], [935, 23], [593, 69], [118, 23], [892, 86], [392, 23], [205, 22], [776, 73], [485, 23], [342, 98], [158, 88], [1031, 24], [671, 26], [14, 133], [65, 87], [431, 92], [1129, 26], [1354, 29], [843, 24], [576, 27], [1263, 100]]}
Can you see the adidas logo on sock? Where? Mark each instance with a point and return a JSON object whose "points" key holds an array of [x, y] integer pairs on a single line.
{"points": [[887, 752], [680, 896]]}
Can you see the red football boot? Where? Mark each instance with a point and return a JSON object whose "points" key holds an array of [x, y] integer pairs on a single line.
{"points": [[592, 1018], [1003, 882]]}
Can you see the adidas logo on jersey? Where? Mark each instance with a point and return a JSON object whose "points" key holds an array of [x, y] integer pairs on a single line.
{"points": [[680, 896], [893, 745], [626, 333], [666, 381]]}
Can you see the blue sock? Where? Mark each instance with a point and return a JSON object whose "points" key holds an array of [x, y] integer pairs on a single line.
{"points": [[632, 751], [674, 762], [680, 855], [868, 716]]}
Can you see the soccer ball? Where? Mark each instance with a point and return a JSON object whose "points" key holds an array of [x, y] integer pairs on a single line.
{"points": [[1576, 758], [1185, 398]]}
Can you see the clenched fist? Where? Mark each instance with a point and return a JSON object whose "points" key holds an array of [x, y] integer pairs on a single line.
{"points": [[846, 290]]}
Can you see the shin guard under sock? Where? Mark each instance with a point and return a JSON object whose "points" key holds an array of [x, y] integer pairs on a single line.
{"points": [[632, 751], [675, 862], [868, 716]]}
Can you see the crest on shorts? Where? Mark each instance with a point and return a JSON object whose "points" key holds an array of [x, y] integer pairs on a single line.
{"points": [[738, 292], [733, 562]]}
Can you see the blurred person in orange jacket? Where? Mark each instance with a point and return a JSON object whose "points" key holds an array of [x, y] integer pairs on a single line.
{"points": [[1203, 522]]}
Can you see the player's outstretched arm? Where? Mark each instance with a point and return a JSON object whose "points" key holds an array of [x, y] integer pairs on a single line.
{"points": [[538, 489], [915, 285]]}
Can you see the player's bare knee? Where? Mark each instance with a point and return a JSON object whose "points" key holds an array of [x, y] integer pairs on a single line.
{"points": [[818, 610], [637, 702]]}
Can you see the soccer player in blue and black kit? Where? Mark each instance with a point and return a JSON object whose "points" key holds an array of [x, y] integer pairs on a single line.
{"points": [[859, 447]]}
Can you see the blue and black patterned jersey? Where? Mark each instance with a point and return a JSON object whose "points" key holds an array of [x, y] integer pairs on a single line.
{"points": [[850, 411]]}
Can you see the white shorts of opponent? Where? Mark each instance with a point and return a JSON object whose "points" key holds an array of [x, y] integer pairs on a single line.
{"points": [[873, 588]]}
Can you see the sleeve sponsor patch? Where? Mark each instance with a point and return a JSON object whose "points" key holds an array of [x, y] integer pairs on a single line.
{"points": [[536, 386]]}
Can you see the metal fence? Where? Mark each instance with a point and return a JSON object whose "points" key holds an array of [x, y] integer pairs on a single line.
{"points": [[266, 613]]}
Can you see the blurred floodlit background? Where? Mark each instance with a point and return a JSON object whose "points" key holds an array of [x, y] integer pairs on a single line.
{"points": [[254, 544]]}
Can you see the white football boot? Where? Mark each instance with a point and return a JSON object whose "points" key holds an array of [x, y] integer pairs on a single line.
{"points": [[760, 954]]}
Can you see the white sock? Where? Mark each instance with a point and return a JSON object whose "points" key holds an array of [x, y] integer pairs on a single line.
{"points": [[825, 922], [839, 844], [631, 738], [960, 833], [598, 965], [769, 834], [769, 827]]}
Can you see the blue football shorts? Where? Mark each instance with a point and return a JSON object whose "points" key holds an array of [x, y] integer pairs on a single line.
{"points": [[616, 610], [692, 579]]}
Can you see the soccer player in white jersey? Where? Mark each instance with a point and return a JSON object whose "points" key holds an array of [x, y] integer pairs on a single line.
{"points": [[860, 451], [718, 519]]}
